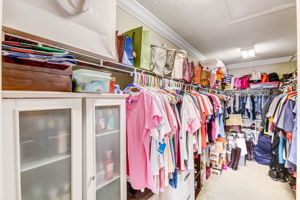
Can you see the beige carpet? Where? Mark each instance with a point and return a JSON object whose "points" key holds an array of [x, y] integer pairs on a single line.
{"points": [[248, 183]]}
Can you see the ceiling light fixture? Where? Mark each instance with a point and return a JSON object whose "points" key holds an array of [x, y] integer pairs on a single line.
{"points": [[248, 52]]}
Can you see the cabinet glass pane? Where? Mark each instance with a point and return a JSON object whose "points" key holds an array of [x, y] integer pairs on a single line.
{"points": [[49, 182], [45, 154], [107, 119], [109, 192], [108, 147]]}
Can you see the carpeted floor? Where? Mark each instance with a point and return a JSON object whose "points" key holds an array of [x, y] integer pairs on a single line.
{"points": [[248, 183]]}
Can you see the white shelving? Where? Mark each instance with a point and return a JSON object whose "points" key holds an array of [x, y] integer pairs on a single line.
{"points": [[107, 133], [45, 162], [107, 183]]}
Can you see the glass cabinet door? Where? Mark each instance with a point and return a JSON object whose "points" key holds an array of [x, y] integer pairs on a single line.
{"points": [[45, 154], [107, 147]]}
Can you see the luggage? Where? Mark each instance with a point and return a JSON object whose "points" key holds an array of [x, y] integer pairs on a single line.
{"points": [[26, 75]]}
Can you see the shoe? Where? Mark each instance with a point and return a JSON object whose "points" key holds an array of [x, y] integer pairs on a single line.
{"points": [[282, 177], [274, 175]]}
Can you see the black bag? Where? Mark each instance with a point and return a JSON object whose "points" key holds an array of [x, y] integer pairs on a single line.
{"points": [[273, 77], [263, 150]]}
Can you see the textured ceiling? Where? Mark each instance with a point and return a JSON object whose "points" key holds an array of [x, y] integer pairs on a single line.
{"points": [[219, 28]]}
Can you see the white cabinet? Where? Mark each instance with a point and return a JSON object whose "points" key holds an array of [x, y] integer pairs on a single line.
{"points": [[104, 148], [43, 147], [185, 188]]}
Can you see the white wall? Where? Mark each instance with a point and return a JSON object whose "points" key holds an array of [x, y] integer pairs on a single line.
{"points": [[126, 21], [280, 68]]}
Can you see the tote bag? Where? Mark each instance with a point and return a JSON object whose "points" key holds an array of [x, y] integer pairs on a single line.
{"points": [[83, 25], [158, 58], [187, 73], [141, 47], [178, 64], [197, 74]]}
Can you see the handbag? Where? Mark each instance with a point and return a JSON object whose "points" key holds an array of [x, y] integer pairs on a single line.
{"points": [[273, 77], [264, 78], [204, 77], [255, 77], [128, 58], [187, 73], [170, 60], [238, 83], [120, 45], [141, 47], [245, 82], [159, 58], [197, 73], [178, 64]]}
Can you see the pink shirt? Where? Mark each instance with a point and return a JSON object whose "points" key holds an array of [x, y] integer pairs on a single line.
{"points": [[142, 115]]}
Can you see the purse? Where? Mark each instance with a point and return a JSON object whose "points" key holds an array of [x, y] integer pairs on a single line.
{"points": [[197, 74], [159, 58], [255, 77], [141, 47], [187, 73], [264, 78], [178, 64], [273, 77], [170, 60], [245, 82], [120, 45], [204, 77]]}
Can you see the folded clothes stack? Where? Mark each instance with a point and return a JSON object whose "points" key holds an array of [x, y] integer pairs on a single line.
{"points": [[25, 51]]}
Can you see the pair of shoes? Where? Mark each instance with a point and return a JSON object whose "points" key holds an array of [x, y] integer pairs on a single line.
{"points": [[274, 175]]}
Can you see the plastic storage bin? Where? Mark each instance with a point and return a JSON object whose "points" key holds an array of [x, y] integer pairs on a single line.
{"points": [[90, 81]]}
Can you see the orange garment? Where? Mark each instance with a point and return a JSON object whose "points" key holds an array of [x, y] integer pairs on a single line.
{"points": [[289, 136]]}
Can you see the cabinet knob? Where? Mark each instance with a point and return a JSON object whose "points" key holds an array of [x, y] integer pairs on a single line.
{"points": [[93, 178]]}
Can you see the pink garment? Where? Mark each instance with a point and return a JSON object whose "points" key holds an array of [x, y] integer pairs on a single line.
{"points": [[142, 115], [171, 116]]}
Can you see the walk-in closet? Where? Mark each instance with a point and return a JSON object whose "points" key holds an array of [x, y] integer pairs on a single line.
{"points": [[149, 100]]}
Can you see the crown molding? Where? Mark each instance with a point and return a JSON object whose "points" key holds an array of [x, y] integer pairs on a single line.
{"points": [[141, 13], [259, 63], [262, 13]]}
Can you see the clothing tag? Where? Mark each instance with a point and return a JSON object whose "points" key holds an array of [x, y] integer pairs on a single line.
{"points": [[161, 148]]}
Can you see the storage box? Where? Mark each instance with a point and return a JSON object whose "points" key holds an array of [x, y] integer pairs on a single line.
{"points": [[274, 84], [90, 81], [25, 75]]}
